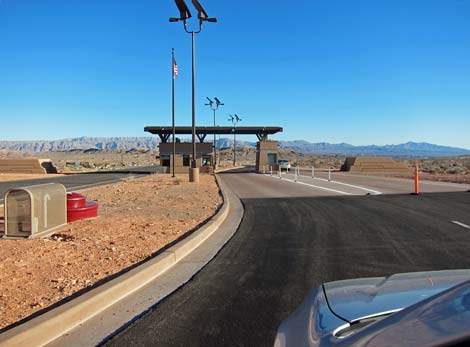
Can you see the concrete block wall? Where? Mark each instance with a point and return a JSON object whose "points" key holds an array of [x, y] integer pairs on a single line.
{"points": [[374, 165], [27, 166]]}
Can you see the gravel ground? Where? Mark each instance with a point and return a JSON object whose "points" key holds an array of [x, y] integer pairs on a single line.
{"points": [[136, 219]]}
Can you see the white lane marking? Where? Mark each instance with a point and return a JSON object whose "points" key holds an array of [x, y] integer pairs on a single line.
{"points": [[423, 181], [312, 185], [375, 192], [461, 224]]}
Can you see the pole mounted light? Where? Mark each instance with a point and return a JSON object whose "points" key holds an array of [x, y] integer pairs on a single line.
{"points": [[214, 108], [218, 102], [210, 102], [185, 14], [234, 119]]}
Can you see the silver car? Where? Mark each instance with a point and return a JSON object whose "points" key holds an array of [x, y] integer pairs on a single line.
{"points": [[413, 309]]}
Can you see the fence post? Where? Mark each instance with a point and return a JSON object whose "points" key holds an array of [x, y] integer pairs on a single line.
{"points": [[313, 171], [329, 173]]}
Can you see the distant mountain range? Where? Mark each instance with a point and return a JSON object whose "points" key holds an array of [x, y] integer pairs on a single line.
{"points": [[409, 149], [81, 143]]}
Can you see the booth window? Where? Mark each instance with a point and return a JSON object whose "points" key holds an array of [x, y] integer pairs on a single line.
{"points": [[165, 160], [185, 160], [272, 158]]}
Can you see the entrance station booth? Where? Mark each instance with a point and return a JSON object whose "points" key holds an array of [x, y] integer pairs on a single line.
{"points": [[266, 151], [183, 156], [266, 156]]}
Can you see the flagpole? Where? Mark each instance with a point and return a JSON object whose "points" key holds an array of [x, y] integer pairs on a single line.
{"points": [[173, 105]]}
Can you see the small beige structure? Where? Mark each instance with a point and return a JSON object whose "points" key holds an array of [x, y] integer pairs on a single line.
{"points": [[266, 156], [27, 166], [374, 165], [183, 156], [35, 211]]}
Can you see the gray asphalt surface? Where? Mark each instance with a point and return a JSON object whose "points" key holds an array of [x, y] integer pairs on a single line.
{"points": [[292, 239], [387, 185], [82, 180]]}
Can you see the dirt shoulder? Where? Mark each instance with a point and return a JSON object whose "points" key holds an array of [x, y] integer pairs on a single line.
{"points": [[137, 218]]}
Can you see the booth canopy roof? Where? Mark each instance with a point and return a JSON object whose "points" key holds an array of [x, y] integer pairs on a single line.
{"points": [[163, 130]]}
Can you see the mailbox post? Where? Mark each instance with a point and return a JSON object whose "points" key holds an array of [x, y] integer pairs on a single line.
{"points": [[35, 211]]}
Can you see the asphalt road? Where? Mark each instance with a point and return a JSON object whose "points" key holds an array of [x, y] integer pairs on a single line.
{"points": [[81, 180], [292, 239], [385, 185]]}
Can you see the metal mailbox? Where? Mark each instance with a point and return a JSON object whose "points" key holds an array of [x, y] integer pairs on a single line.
{"points": [[35, 211]]}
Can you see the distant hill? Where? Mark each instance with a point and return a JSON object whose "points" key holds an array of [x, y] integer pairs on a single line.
{"points": [[409, 149], [81, 143]]}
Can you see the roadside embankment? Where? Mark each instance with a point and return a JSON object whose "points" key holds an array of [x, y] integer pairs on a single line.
{"points": [[137, 218]]}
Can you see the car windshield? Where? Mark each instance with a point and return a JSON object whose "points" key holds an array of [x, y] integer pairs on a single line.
{"points": [[208, 170]]}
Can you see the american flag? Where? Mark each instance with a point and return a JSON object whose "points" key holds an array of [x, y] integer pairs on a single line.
{"points": [[175, 69]]}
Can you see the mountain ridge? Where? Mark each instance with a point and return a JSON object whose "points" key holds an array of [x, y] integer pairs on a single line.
{"points": [[408, 149]]}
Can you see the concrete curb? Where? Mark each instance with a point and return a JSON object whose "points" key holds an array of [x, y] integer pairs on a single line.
{"points": [[51, 325]]}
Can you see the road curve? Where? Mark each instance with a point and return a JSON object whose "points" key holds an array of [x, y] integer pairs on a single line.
{"points": [[285, 246]]}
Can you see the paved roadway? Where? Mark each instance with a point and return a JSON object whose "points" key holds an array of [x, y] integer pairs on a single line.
{"points": [[386, 185], [82, 180], [292, 238]]}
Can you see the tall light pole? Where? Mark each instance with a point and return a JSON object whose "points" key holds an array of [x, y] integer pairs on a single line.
{"points": [[174, 73], [234, 119], [203, 17], [211, 105]]}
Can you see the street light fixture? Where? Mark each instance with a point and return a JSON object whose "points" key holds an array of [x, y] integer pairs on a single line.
{"points": [[211, 105], [184, 10], [185, 14], [234, 119]]}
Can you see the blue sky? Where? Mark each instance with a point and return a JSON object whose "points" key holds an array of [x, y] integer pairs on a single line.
{"points": [[362, 72]]}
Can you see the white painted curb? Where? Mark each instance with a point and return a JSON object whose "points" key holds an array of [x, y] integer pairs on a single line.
{"points": [[51, 325]]}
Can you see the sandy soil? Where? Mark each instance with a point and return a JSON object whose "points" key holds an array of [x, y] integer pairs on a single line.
{"points": [[137, 218], [15, 177]]}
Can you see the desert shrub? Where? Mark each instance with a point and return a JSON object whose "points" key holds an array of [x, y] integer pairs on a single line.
{"points": [[456, 170], [432, 169]]}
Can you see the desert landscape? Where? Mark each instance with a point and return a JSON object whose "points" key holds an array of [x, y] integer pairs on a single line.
{"points": [[137, 217], [92, 159], [450, 169]]}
